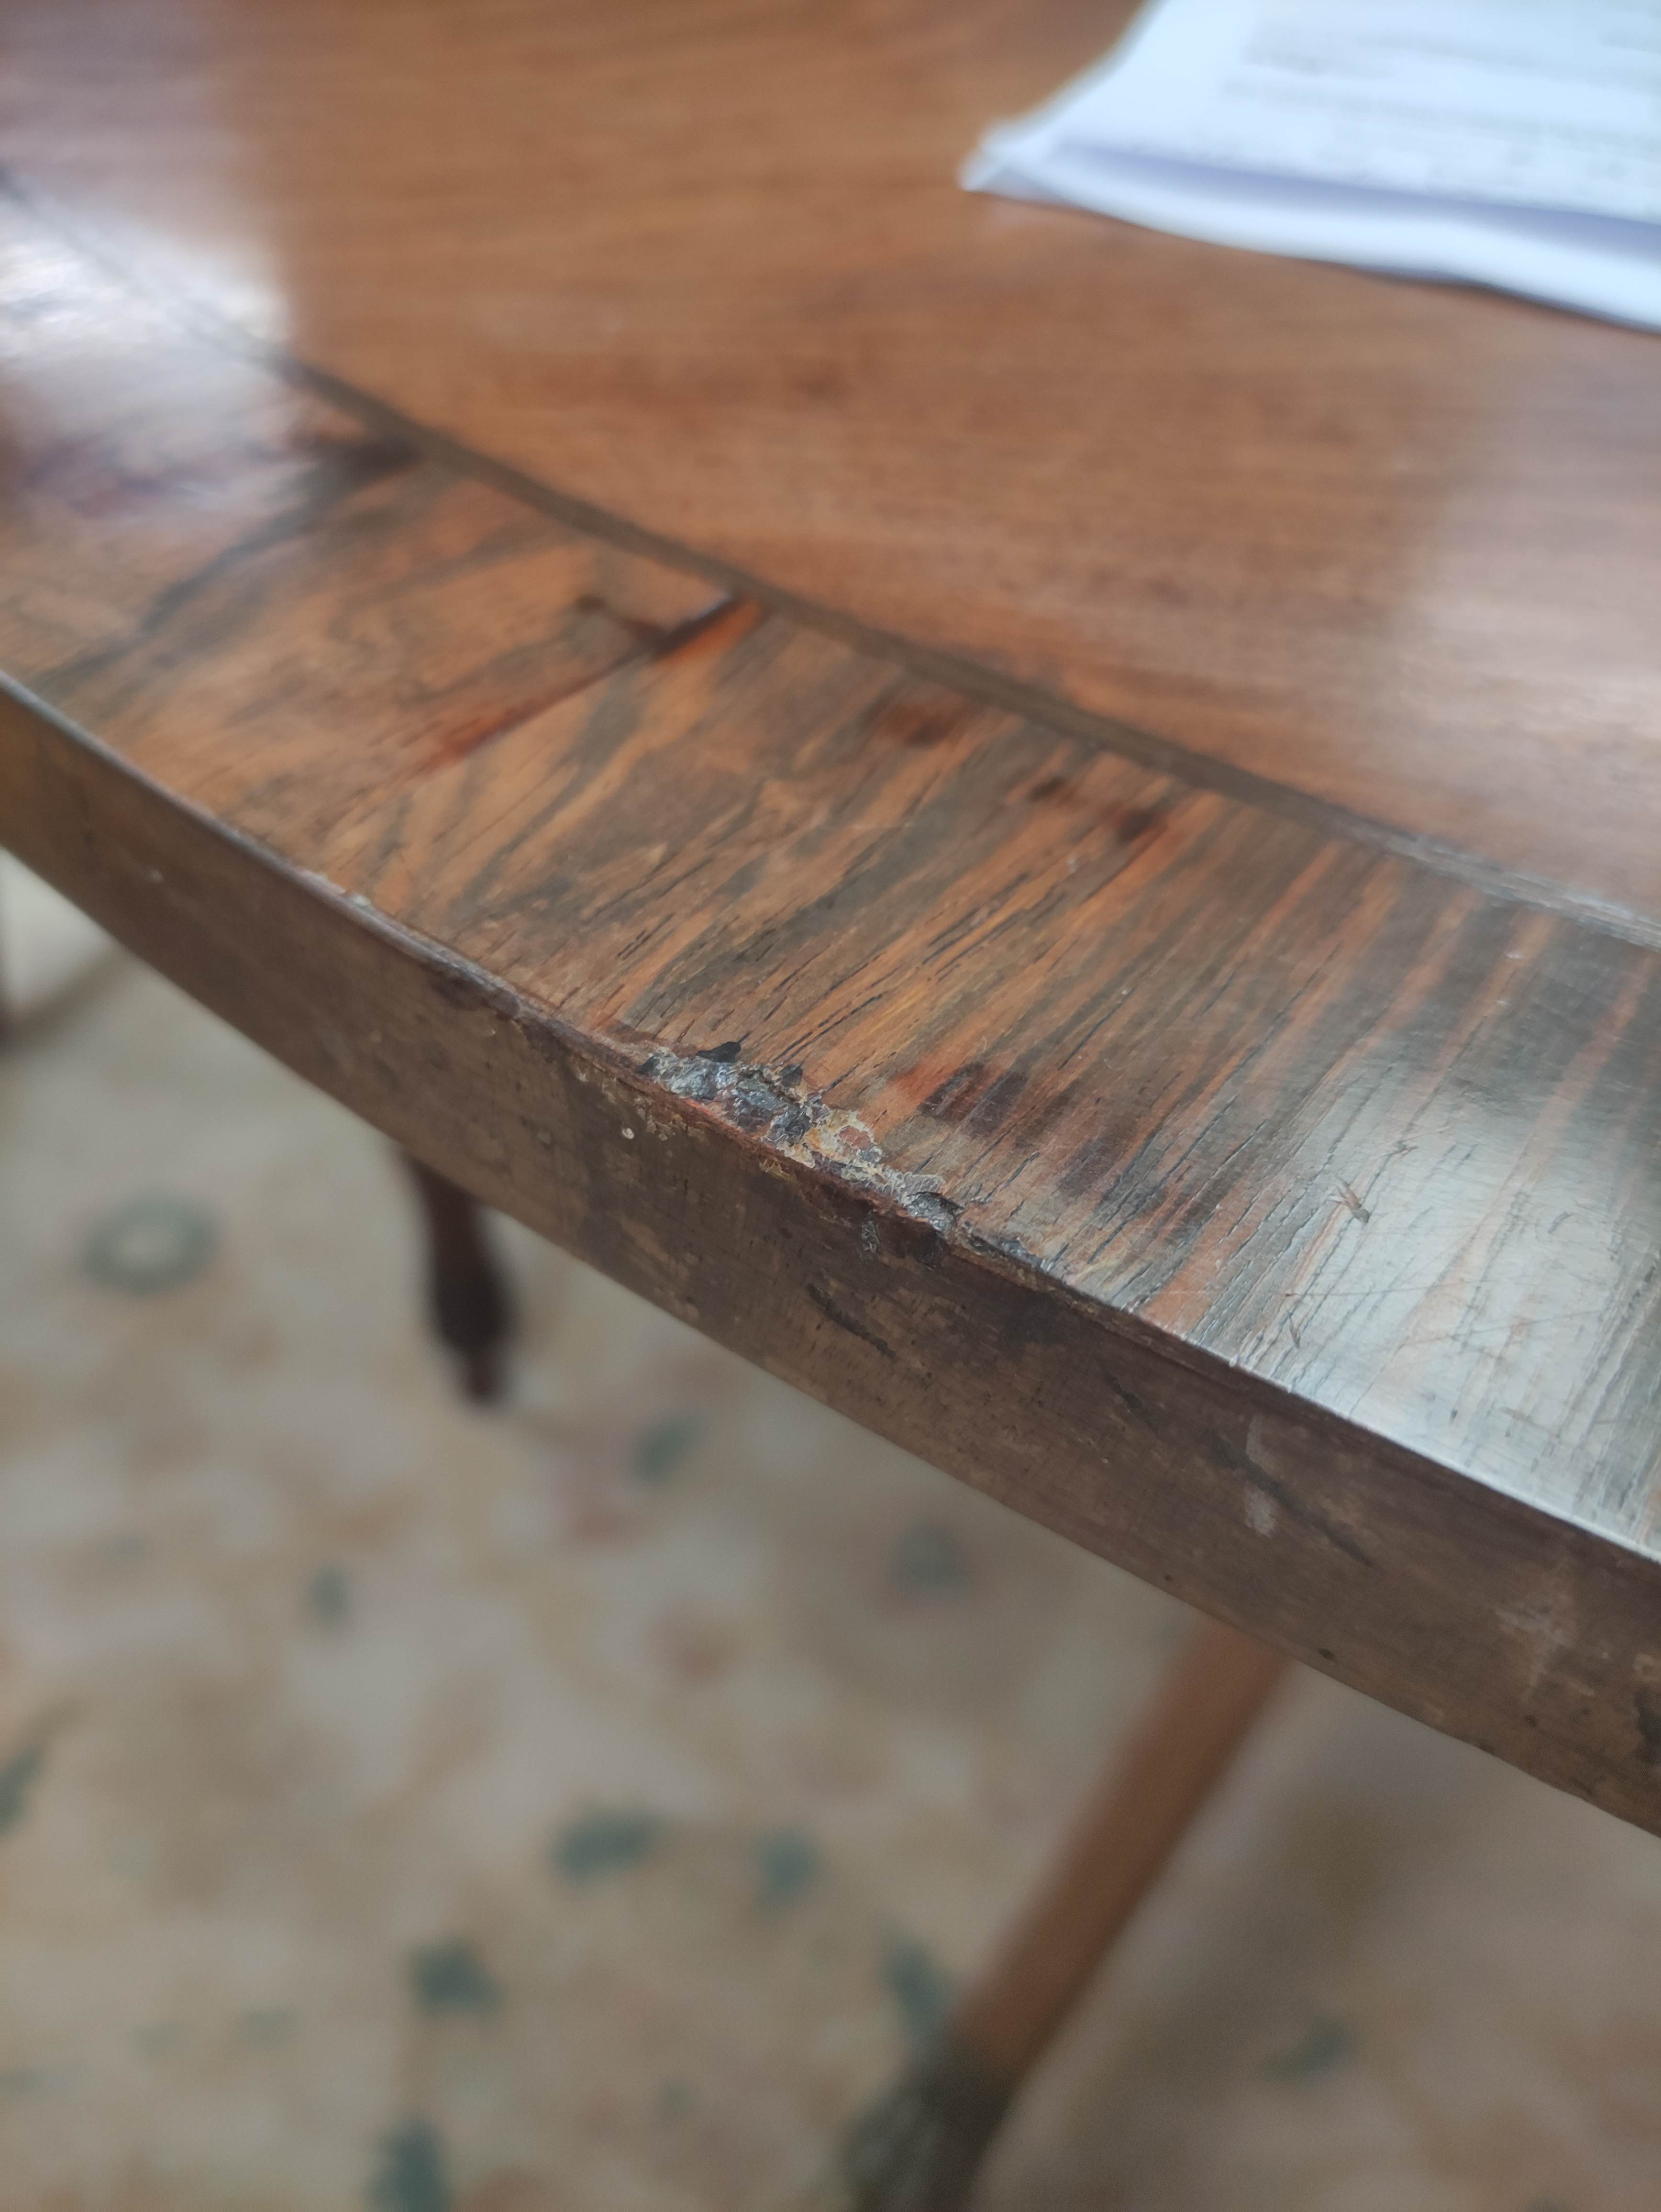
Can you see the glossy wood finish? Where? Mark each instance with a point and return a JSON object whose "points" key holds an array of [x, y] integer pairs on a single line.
{"points": [[703, 262], [1272, 1212]]}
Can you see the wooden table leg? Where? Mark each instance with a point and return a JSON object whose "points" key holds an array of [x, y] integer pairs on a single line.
{"points": [[918, 2148], [5, 1007], [467, 1294]]}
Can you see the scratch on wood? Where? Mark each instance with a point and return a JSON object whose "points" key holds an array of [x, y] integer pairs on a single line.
{"points": [[844, 1319], [1278, 1498], [1548, 1626]]}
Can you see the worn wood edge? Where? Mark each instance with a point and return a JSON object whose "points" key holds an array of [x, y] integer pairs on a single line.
{"points": [[979, 680], [1426, 1589]]}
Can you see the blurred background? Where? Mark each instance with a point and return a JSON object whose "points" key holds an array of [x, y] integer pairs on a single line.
{"points": [[586, 1803]]}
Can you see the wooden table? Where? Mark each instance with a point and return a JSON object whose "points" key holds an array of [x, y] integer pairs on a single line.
{"points": [[1052, 832]]}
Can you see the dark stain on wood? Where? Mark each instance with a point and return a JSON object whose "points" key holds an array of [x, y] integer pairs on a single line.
{"points": [[920, 720], [1360, 1211], [1127, 824]]}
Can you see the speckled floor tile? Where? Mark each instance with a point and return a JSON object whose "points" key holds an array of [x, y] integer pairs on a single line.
{"points": [[582, 1806]]}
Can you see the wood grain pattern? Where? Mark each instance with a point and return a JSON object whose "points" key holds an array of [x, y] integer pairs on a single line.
{"points": [[706, 265], [181, 508], [1272, 1213]]}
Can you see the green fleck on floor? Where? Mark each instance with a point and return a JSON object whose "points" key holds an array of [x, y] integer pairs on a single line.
{"points": [[660, 1449], [586, 1806], [605, 1843], [16, 1780], [453, 1975], [786, 1863], [920, 1991], [1323, 2044], [410, 2176]]}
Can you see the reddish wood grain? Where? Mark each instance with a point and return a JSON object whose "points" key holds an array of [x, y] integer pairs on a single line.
{"points": [[1273, 1213], [706, 265]]}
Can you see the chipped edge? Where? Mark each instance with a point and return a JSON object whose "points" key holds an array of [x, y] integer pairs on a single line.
{"points": [[775, 1103]]}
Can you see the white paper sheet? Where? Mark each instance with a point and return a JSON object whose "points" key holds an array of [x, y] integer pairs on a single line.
{"points": [[1515, 142]]}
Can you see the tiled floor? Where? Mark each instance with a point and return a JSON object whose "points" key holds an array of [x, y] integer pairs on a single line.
{"points": [[577, 1808]]}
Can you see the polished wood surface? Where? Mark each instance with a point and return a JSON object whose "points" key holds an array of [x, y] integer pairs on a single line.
{"points": [[703, 262], [1273, 1213]]}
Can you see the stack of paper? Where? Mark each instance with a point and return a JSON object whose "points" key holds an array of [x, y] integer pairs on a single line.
{"points": [[1514, 142]]}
